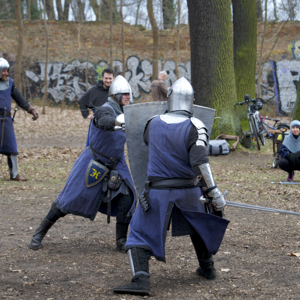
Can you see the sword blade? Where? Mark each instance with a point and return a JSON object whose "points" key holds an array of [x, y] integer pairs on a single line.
{"points": [[261, 208]]}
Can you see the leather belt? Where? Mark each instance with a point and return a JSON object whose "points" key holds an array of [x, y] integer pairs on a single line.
{"points": [[180, 183], [8, 114]]}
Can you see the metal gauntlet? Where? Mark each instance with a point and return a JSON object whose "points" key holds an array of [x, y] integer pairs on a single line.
{"points": [[211, 189]]}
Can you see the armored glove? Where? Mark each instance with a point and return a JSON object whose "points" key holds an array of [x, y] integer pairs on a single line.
{"points": [[218, 201], [32, 111], [120, 122]]}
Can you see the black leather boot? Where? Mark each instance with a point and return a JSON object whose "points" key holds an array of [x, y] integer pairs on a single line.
{"points": [[36, 242], [205, 258], [140, 282], [121, 236], [207, 268]]}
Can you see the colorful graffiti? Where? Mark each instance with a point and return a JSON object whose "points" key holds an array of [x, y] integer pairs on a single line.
{"points": [[69, 81], [295, 48]]}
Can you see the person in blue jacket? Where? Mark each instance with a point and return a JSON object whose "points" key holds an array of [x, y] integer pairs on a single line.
{"points": [[290, 151], [178, 171], [100, 179], [8, 143]]}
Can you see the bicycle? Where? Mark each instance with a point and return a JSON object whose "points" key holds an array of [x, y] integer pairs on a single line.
{"points": [[269, 129], [255, 123]]}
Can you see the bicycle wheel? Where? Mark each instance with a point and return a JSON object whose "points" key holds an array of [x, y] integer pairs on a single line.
{"points": [[260, 130], [254, 131]]}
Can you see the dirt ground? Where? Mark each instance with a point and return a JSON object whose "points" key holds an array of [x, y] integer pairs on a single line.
{"points": [[257, 259]]}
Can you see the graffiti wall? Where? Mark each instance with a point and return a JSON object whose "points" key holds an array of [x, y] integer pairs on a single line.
{"points": [[69, 81]]}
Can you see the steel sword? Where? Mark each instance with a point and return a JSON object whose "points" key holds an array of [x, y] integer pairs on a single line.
{"points": [[204, 200]]}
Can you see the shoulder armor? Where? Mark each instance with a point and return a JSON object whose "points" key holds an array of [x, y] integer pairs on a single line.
{"points": [[173, 118], [202, 132], [148, 121]]}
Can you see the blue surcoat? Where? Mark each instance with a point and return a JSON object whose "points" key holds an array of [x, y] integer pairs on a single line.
{"points": [[9, 146], [169, 158], [76, 197]]}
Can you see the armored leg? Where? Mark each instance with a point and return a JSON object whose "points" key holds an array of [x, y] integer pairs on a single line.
{"points": [[205, 258], [124, 203], [121, 236], [140, 282], [13, 168], [53, 215]]}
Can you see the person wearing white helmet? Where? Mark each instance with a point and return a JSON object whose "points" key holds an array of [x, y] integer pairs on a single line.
{"points": [[8, 143], [100, 179]]}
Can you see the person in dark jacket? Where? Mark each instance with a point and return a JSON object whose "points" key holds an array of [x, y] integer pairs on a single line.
{"points": [[8, 143], [100, 179], [96, 96], [178, 172], [290, 151]]}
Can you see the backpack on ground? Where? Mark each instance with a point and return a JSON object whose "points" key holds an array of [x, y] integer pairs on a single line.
{"points": [[220, 146]]}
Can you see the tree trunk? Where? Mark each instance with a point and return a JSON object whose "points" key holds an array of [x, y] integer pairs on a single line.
{"points": [[275, 10], [50, 9], [105, 10], [59, 9], [18, 64], [138, 11], [168, 13], [29, 10], [123, 39], [296, 110], [244, 49], [110, 35], [95, 7], [259, 11], [261, 50], [212, 68], [178, 36], [66, 10], [46, 62], [155, 38]]}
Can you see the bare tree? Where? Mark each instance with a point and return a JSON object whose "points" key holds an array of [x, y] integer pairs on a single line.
{"points": [[259, 11], [261, 49], [291, 8], [46, 62], [18, 64], [50, 9], [178, 37], [66, 9], [275, 10], [155, 35], [123, 39]]}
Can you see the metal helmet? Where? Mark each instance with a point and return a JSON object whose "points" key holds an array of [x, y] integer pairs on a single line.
{"points": [[181, 96], [3, 65], [120, 86]]}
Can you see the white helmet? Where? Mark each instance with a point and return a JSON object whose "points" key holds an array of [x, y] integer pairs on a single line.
{"points": [[181, 96], [3, 65], [120, 86]]}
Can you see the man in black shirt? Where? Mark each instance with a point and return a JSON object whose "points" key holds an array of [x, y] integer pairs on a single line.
{"points": [[96, 96]]}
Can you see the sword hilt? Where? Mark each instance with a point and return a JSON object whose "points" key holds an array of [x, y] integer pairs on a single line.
{"points": [[13, 118]]}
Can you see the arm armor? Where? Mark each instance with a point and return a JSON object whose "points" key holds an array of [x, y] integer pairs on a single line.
{"points": [[202, 132]]}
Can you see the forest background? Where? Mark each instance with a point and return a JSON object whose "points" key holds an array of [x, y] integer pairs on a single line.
{"points": [[64, 46]]}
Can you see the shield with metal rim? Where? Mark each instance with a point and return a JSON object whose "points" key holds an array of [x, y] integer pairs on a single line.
{"points": [[136, 117], [94, 173]]}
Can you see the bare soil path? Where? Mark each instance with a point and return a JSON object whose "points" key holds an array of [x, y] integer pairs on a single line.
{"points": [[79, 260]]}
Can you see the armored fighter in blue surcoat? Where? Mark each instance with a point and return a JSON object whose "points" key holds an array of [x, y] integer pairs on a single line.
{"points": [[100, 179], [8, 143], [178, 174]]}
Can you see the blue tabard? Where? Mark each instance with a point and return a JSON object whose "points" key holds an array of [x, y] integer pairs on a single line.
{"points": [[169, 158], [78, 199], [9, 146]]}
